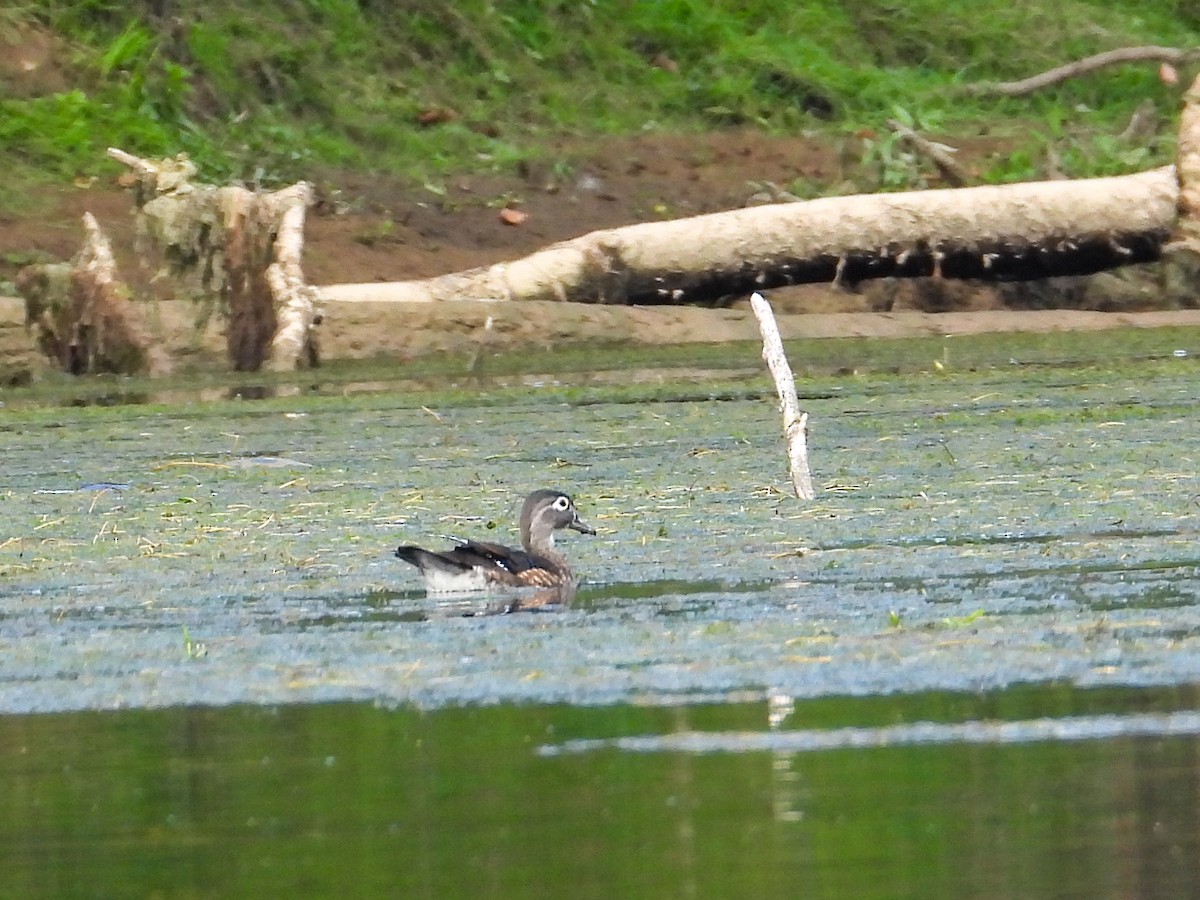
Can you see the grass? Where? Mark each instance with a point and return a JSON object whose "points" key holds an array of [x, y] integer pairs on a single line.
{"points": [[276, 91]]}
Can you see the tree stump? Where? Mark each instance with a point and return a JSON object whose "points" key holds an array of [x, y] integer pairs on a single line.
{"points": [[83, 315], [237, 249]]}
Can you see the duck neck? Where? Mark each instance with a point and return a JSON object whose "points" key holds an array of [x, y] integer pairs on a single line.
{"points": [[541, 543]]}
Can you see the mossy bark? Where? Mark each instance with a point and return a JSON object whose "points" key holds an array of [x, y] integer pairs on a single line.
{"points": [[83, 315], [236, 249]]}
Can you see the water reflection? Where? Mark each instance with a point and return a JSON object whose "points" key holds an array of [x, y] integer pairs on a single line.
{"points": [[362, 801], [417, 606]]}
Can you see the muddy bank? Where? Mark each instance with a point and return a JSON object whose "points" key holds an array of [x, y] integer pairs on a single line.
{"points": [[366, 229], [401, 332], [358, 330]]}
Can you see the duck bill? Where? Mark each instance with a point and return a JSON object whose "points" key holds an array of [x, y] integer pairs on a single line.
{"points": [[582, 526]]}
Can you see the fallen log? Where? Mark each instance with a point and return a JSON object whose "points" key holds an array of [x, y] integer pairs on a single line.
{"points": [[1004, 232], [1014, 232]]}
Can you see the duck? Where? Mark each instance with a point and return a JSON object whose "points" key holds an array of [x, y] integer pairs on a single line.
{"points": [[481, 565]]}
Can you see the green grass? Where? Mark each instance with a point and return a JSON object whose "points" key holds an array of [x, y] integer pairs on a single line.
{"points": [[275, 91]]}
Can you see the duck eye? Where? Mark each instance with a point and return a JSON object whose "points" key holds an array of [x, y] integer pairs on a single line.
{"points": [[562, 502]]}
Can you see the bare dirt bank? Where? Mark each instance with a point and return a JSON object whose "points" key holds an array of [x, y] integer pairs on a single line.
{"points": [[383, 330], [378, 229]]}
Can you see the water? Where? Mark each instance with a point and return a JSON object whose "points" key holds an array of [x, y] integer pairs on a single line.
{"points": [[967, 669], [355, 800]]}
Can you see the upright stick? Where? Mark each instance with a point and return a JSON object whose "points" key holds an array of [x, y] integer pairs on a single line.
{"points": [[795, 423]]}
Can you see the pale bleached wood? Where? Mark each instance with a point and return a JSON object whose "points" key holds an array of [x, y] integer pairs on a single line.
{"points": [[295, 299], [82, 314], [1187, 155], [1180, 271], [977, 229], [795, 422], [107, 332]]}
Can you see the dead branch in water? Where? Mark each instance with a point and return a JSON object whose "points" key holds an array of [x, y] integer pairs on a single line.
{"points": [[795, 422]]}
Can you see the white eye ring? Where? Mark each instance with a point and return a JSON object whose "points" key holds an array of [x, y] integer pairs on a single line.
{"points": [[562, 502]]}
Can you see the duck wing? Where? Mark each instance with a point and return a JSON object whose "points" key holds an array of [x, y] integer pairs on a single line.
{"points": [[509, 557], [520, 564], [487, 561]]}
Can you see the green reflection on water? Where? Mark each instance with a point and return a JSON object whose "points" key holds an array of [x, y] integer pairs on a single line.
{"points": [[361, 801]]}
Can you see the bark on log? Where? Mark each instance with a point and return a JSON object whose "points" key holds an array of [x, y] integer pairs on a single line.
{"points": [[1083, 67], [1008, 232]]}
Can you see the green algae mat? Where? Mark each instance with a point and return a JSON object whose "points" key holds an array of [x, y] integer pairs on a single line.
{"points": [[968, 668], [1004, 510]]}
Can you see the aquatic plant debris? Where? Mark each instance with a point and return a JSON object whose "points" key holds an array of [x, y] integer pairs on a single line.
{"points": [[1051, 544]]}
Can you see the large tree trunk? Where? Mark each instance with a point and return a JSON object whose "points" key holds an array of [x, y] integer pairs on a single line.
{"points": [[1008, 232]]}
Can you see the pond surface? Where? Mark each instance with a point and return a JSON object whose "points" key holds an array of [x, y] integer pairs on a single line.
{"points": [[748, 696], [352, 800]]}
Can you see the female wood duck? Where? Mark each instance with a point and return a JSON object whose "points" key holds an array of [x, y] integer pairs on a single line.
{"points": [[478, 565]]}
